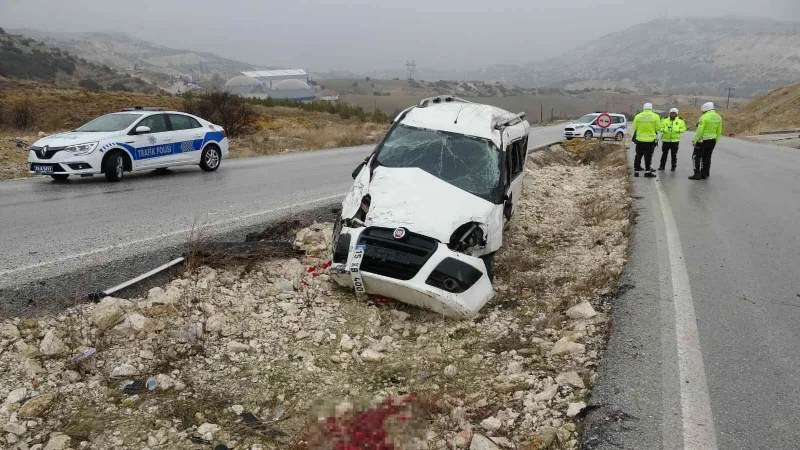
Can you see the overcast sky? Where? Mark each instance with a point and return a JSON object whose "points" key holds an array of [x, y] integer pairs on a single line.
{"points": [[364, 35]]}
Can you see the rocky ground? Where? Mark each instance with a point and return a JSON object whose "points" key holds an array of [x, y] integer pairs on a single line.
{"points": [[271, 354]]}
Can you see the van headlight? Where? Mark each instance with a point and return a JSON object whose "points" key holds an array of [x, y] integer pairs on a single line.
{"points": [[81, 149], [467, 236]]}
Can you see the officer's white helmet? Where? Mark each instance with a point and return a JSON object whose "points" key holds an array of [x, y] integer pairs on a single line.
{"points": [[648, 106], [707, 106], [673, 110]]}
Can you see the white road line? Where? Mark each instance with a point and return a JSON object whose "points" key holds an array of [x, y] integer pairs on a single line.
{"points": [[698, 422], [164, 235]]}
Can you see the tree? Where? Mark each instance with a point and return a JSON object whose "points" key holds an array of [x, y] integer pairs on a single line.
{"points": [[22, 114], [232, 112]]}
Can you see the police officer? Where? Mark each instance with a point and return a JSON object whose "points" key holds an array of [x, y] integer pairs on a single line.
{"points": [[709, 130], [671, 128], [646, 126]]}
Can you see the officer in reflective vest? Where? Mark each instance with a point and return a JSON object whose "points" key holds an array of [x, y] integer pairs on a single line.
{"points": [[709, 130], [646, 126], [671, 129]]}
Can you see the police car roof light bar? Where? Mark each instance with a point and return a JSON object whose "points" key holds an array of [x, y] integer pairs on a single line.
{"points": [[144, 108]]}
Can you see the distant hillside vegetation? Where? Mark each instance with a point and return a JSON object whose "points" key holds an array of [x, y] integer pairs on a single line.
{"points": [[27, 59], [122, 51]]}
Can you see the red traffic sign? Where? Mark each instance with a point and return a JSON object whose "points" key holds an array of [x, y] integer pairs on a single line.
{"points": [[604, 120]]}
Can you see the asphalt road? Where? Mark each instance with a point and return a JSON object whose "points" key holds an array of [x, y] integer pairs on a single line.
{"points": [[705, 348], [87, 226]]}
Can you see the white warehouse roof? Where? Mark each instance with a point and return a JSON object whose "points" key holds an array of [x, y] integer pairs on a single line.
{"points": [[276, 73]]}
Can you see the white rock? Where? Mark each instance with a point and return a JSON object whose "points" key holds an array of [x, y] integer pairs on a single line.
{"points": [[549, 391], [155, 294], [146, 354], [141, 323], [401, 316], [237, 347], [107, 313], [9, 331], [575, 408], [216, 323], [207, 430], [51, 345], [570, 378], [372, 355], [566, 345], [583, 310], [15, 428], [515, 367], [288, 308], [152, 441], [42, 134], [450, 371], [346, 343], [237, 409], [165, 382], [16, 396], [491, 424], [124, 370], [172, 295], [481, 442], [57, 442]]}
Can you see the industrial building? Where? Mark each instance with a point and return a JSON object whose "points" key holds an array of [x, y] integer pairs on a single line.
{"points": [[277, 84]]}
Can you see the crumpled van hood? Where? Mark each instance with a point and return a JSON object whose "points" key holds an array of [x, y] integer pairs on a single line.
{"points": [[416, 200]]}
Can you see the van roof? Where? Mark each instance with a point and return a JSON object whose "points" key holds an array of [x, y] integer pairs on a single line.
{"points": [[474, 119]]}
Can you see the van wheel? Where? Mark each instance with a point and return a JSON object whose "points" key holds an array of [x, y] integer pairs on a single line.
{"points": [[619, 136], [210, 159], [569, 138], [488, 260], [59, 176], [114, 167], [588, 135]]}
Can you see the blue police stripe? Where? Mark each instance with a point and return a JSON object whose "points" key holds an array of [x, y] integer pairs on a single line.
{"points": [[155, 151]]}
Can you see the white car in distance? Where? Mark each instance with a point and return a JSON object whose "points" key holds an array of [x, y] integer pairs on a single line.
{"points": [[426, 213], [135, 139], [586, 127]]}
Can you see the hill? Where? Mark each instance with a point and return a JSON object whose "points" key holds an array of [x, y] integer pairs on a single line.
{"points": [[27, 59], [122, 51], [687, 55]]}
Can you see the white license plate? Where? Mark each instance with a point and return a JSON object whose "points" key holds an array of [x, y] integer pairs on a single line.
{"points": [[355, 268], [43, 169]]}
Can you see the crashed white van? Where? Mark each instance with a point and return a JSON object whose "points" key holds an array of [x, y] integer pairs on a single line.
{"points": [[427, 210]]}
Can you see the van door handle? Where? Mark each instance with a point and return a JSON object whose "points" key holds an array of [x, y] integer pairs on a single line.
{"points": [[199, 136], [166, 139]]}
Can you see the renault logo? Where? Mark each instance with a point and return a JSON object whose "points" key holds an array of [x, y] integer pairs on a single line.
{"points": [[43, 151]]}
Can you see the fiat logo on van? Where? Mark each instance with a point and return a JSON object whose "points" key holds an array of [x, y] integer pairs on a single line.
{"points": [[399, 233]]}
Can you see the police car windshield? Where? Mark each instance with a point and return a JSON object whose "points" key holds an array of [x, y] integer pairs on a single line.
{"points": [[468, 163], [587, 118], [109, 122]]}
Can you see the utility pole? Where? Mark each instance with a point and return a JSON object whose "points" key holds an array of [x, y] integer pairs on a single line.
{"points": [[728, 106], [541, 113], [551, 114], [695, 102]]}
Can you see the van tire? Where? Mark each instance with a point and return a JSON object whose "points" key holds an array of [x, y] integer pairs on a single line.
{"points": [[588, 135], [619, 136], [488, 260]]}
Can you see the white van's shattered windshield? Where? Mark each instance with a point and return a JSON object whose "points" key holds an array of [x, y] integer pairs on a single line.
{"points": [[468, 163]]}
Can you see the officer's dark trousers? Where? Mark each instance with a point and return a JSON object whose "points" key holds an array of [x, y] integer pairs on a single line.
{"points": [[644, 149], [669, 148], [701, 158]]}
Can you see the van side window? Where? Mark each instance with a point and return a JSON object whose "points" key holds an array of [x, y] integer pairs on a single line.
{"points": [[618, 119]]}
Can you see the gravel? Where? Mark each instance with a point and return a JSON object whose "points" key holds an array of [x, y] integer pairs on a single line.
{"points": [[251, 356]]}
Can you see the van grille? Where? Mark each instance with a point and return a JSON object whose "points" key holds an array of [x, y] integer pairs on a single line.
{"points": [[395, 258]]}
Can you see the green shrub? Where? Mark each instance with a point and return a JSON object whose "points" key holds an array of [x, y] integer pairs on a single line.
{"points": [[90, 84]]}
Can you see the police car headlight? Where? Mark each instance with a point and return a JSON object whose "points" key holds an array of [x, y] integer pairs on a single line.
{"points": [[81, 149]]}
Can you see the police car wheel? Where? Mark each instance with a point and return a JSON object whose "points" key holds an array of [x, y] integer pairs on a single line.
{"points": [[588, 135], [60, 176], [114, 167], [210, 159], [619, 136]]}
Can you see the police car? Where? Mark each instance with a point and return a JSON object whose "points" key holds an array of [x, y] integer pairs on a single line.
{"points": [[586, 127], [138, 138]]}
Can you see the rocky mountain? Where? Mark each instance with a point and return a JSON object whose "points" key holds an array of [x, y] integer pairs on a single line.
{"points": [[122, 51], [702, 55], [23, 58]]}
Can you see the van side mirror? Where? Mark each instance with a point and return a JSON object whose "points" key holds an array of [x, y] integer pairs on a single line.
{"points": [[358, 169], [142, 130]]}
